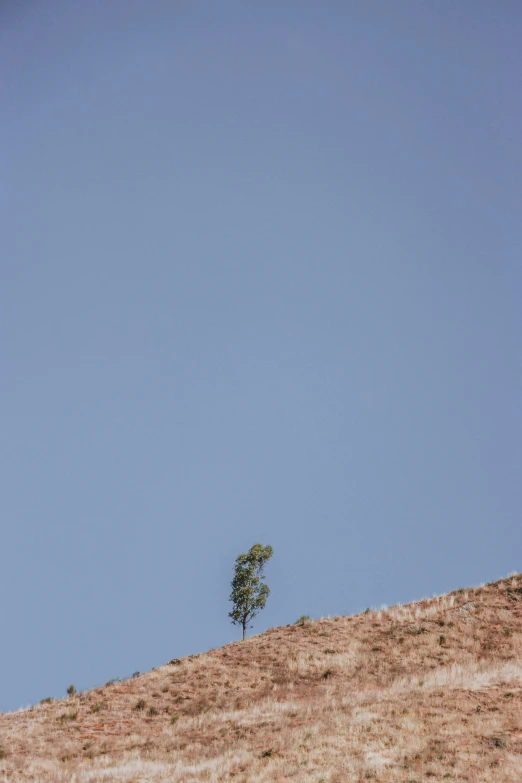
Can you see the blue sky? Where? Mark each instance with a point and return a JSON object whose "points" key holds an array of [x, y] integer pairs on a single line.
{"points": [[260, 281]]}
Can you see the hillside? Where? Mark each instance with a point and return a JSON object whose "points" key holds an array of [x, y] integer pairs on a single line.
{"points": [[428, 691]]}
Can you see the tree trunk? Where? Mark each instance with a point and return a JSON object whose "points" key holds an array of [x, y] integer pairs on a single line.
{"points": [[244, 630]]}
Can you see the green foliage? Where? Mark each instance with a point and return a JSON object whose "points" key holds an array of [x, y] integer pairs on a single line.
{"points": [[303, 620], [47, 700], [249, 593], [152, 711], [71, 690], [140, 705]]}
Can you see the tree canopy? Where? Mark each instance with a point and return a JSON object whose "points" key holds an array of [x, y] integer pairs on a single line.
{"points": [[249, 593]]}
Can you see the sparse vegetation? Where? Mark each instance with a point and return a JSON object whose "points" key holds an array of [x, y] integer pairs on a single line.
{"points": [[71, 690], [303, 706], [47, 700], [303, 620], [68, 716]]}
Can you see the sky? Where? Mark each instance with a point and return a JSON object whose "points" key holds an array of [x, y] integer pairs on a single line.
{"points": [[260, 281]]}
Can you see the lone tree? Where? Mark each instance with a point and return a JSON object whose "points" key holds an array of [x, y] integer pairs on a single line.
{"points": [[249, 593]]}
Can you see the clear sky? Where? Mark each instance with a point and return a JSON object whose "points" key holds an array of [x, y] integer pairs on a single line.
{"points": [[261, 280]]}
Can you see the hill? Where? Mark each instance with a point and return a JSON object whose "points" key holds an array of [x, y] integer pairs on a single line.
{"points": [[427, 691]]}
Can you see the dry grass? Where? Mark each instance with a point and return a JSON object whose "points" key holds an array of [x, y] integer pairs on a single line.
{"points": [[428, 691]]}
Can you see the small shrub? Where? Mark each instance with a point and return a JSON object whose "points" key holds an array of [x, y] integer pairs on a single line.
{"points": [[507, 631], [139, 706], [97, 707], [47, 700], [3, 754], [327, 674], [303, 620], [509, 695], [442, 640], [266, 754], [65, 716], [152, 711], [174, 719], [71, 690], [417, 630]]}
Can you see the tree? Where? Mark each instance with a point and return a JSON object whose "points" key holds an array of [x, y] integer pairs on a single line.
{"points": [[249, 593]]}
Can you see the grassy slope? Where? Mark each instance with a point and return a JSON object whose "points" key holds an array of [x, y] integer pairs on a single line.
{"points": [[428, 691]]}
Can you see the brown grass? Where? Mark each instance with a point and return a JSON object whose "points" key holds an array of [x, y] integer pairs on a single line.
{"points": [[426, 692]]}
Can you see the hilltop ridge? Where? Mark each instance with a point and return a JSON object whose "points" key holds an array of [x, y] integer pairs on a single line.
{"points": [[429, 690]]}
